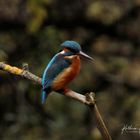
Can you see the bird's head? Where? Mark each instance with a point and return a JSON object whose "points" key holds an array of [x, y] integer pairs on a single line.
{"points": [[74, 48]]}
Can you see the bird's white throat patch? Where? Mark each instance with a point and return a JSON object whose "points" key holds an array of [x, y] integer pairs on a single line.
{"points": [[62, 52]]}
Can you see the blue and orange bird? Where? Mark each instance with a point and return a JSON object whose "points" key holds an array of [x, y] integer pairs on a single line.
{"points": [[63, 68]]}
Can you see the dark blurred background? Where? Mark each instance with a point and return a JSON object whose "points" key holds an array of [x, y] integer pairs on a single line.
{"points": [[31, 32]]}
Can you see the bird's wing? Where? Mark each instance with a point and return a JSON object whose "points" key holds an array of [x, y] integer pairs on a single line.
{"points": [[54, 68]]}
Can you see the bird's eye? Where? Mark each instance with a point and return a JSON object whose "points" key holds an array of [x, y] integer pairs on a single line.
{"points": [[60, 50]]}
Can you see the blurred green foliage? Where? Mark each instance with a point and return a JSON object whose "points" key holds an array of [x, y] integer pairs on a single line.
{"points": [[31, 31]]}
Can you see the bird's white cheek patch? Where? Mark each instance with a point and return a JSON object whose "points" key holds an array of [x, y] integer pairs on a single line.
{"points": [[62, 52]]}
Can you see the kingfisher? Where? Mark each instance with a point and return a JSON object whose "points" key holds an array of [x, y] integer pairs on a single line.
{"points": [[62, 68]]}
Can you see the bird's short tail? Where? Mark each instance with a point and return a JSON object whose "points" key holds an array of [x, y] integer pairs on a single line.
{"points": [[43, 97], [45, 94]]}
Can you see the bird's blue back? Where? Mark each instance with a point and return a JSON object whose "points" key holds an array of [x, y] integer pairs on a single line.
{"points": [[54, 68]]}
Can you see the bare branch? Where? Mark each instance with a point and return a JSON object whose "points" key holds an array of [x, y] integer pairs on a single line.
{"points": [[89, 99]]}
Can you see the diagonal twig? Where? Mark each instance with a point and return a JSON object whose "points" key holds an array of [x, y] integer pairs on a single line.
{"points": [[88, 99]]}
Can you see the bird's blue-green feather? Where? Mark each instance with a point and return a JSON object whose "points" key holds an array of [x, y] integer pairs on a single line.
{"points": [[72, 45], [54, 68], [43, 97]]}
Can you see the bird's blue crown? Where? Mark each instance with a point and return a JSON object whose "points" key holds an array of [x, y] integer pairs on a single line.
{"points": [[72, 45]]}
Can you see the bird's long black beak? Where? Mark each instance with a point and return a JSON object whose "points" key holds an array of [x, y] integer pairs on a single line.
{"points": [[82, 54]]}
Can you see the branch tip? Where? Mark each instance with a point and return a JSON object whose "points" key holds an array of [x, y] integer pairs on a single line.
{"points": [[90, 98], [25, 66]]}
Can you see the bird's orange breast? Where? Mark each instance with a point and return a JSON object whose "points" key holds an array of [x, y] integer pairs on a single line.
{"points": [[65, 77]]}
